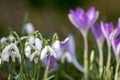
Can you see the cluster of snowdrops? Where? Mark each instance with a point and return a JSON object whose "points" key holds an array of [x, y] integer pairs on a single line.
{"points": [[34, 48]]}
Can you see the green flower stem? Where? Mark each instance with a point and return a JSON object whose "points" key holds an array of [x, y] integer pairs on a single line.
{"points": [[108, 61], [35, 72], [47, 69], [100, 60], [39, 65], [1, 71], [85, 57], [116, 71], [22, 56], [10, 77]]}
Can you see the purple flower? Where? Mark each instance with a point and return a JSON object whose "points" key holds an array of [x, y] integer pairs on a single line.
{"points": [[116, 41], [116, 48], [83, 21], [68, 52], [97, 32], [53, 63], [107, 29]]}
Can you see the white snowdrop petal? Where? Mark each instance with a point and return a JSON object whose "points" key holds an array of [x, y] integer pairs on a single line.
{"points": [[32, 56], [16, 49], [5, 57], [31, 40], [3, 39], [27, 51], [7, 48], [38, 44], [44, 53], [52, 52]]}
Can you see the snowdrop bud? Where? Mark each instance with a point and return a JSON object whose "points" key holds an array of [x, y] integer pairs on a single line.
{"points": [[29, 28], [56, 46], [38, 44], [27, 50], [11, 38]]}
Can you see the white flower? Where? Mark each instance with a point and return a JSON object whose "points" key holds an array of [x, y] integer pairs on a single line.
{"points": [[29, 28], [10, 50], [47, 50], [37, 46], [57, 48], [3, 39]]}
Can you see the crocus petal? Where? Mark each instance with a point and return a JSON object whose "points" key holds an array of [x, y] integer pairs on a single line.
{"points": [[107, 29], [77, 65], [97, 32], [38, 44], [66, 56], [53, 63], [90, 13], [83, 21]]}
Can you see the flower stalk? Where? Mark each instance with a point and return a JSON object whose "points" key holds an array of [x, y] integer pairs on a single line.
{"points": [[85, 57]]}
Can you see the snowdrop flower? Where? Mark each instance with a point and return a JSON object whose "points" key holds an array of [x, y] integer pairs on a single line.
{"points": [[68, 52], [37, 46], [29, 28], [10, 51], [47, 50], [83, 21], [2, 40], [57, 48]]}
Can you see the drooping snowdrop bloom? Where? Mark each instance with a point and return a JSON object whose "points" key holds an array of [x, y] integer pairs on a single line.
{"points": [[47, 50], [4, 39], [11, 51], [29, 28], [36, 46], [68, 52], [83, 21], [57, 48]]}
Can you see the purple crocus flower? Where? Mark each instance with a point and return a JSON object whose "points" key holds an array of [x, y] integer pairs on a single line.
{"points": [[97, 32], [83, 21], [68, 52], [107, 29], [116, 48], [116, 41], [53, 63]]}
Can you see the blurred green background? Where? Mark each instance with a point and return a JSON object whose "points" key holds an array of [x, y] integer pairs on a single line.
{"points": [[50, 16]]}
